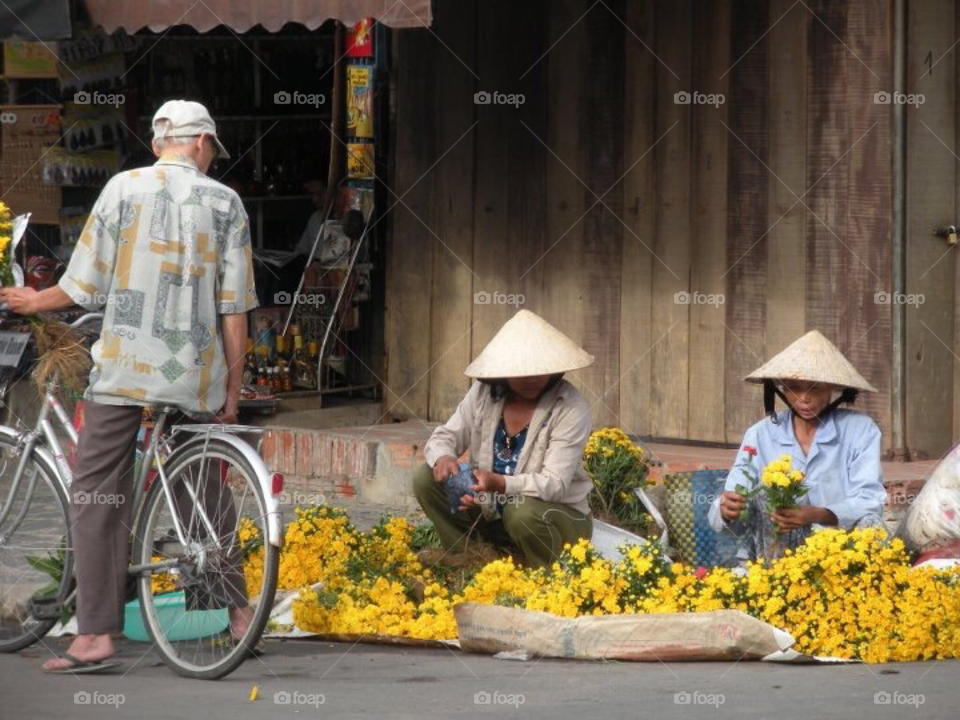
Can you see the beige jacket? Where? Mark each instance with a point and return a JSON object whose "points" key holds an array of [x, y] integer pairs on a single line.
{"points": [[550, 465]]}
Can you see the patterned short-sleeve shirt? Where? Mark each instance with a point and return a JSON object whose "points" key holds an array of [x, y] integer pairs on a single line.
{"points": [[165, 252]]}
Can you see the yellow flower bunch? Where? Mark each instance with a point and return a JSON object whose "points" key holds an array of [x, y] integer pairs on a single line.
{"points": [[783, 485], [617, 466], [606, 441], [778, 474], [6, 237]]}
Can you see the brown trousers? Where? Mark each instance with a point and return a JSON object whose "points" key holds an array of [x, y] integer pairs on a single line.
{"points": [[100, 512]]}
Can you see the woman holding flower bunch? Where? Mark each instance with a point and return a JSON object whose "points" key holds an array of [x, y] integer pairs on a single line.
{"points": [[525, 428], [813, 463]]}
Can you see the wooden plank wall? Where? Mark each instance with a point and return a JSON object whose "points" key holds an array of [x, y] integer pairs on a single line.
{"points": [[452, 181], [748, 192], [953, 68], [779, 198], [669, 391], [409, 274], [639, 202], [867, 340], [931, 200], [711, 57]]}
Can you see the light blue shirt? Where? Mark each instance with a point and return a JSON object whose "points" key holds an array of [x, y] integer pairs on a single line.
{"points": [[842, 468]]}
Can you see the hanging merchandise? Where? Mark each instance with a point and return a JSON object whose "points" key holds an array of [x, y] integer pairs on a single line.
{"points": [[360, 101], [92, 126], [360, 40], [353, 197], [360, 161], [29, 60], [33, 129], [91, 169]]}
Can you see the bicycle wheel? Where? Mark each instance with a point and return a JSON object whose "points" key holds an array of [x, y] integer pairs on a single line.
{"points": [[36, 556], [186, 606]]}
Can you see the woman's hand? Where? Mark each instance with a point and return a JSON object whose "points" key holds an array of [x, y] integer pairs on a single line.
{"points": [[445, 466], [731, 505], [800, 517], [489, 482]]}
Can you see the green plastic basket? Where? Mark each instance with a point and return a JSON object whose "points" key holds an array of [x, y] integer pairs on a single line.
{"points": [[177, 622]]}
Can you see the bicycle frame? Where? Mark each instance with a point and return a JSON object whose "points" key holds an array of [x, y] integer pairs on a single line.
{"points": [[43, 442]]}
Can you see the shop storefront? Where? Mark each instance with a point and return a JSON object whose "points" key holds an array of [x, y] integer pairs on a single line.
{"points": [[300, 97]]}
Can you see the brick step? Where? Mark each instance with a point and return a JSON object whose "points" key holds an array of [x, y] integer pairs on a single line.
{"points": [[375, 463], [370, 464]]}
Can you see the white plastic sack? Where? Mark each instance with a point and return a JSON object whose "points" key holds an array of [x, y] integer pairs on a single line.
{"points": [[933, 520]]}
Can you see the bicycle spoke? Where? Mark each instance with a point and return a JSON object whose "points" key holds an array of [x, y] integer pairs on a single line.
{"points": [[35, 555], [210, 574]]}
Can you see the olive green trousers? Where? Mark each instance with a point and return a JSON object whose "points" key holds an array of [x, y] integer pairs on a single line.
{"points": [[539, 528]]}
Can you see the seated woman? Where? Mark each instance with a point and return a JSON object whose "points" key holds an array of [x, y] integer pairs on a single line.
{"points": [[837, 449], [525, 428]]}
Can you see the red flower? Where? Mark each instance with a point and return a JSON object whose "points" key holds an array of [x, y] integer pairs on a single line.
{"points": [[752, 451], [701, 572]]}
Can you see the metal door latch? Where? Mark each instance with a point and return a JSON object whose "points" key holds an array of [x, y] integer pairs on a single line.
{"points": [[948, 232]]}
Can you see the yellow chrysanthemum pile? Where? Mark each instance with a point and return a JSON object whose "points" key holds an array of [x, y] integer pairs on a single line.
{"points": [[316, 548], [162, 582], [373, 583], [851, 595]]}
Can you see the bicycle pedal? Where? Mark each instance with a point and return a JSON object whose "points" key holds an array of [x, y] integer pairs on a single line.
{"points": [[46, 608]]}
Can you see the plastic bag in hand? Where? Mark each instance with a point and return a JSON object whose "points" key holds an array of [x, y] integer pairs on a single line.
{"points": [[459, 485]]}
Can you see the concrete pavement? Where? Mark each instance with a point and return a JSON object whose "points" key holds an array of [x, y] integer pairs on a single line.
{"points": [[337, 680]]}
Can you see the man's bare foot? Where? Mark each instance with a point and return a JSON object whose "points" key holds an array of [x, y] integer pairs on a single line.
{"points": [[89, 648], [239, 621]]}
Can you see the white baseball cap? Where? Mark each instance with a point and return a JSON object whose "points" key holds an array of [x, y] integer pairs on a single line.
{"points": [[188, 118]]}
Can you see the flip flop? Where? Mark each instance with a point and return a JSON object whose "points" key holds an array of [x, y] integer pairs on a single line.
{"points": [[259, 649], [84, 666]]}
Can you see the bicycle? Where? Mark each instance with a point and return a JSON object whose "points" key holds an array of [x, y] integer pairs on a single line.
{"points": [[191, 535]]}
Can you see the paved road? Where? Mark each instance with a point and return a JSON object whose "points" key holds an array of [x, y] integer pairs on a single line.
{"points": [[365, 681]]}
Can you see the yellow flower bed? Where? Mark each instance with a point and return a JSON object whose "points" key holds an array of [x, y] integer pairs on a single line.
{"points": [[850, 595]]}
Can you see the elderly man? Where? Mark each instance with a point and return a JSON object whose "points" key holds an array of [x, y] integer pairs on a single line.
{"points": [[166, 251]]}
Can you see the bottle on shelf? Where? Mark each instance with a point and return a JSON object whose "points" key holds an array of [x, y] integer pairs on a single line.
{"points": [[305, 375], [284, 362], [263, 382], [268, 181], [280, 362], [313, 353], [250, 364]]}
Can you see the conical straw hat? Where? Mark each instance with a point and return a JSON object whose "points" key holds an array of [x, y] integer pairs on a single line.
{"points": [[815, 359], [528, 345]]}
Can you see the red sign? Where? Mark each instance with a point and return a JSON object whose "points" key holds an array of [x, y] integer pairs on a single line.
{"points": [[360, 40]]}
